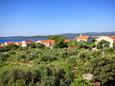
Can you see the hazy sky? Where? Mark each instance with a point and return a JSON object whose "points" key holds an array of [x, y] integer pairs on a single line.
{"points": [[43, 17]]}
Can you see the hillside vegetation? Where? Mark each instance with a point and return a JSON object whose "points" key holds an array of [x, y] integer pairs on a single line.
{"points": [[32, 66]]}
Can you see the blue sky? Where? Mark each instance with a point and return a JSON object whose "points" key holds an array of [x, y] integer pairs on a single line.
{"points": [[43, 17]]}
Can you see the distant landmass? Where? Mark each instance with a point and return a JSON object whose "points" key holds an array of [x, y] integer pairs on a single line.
{"points": [[73, 35], [43, 37]]}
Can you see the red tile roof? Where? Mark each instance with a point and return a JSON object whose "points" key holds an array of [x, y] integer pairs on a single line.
{"points": [[82, 37], [27, 43], [67, 40], [47, 41], [112, 37], [18, 43], [9, 43], [1, 46]]}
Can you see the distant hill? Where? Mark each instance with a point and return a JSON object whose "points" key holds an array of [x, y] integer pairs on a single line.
{"points": [[73, 35], [68, 35]]}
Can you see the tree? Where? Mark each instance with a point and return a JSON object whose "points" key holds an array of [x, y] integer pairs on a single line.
{"points": [[102, 67], [102, 44], [59, 41], [57, 38], [9, 47], [20, 82], [72, 43], [33, 45], [39, 45], [12, 46], [114, 45], [85, 45], [93, 40], [60, 44]]}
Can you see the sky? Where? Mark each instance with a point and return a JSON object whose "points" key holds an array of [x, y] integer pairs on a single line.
{"points": [[45, 17]]}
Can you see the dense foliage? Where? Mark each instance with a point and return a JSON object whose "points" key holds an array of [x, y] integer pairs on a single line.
{"points": [[57, 38], [102, 44], [39, 66]]}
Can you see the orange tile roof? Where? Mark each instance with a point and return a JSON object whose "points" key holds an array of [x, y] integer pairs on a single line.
{"points": [[9, 43], [1, 46], [27, 43], [47, 41], [82, 37], [67, 40], [18, 43], [112, 37]]}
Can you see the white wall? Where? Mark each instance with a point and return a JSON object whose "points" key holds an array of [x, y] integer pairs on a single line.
{"points": [[24, 44], [106, 38]]}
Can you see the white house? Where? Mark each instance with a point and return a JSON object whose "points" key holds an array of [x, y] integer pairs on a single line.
{"points": [[110, 39], [8, 43], [18, 43], [26, 43], [84, 38], [47, 43]]}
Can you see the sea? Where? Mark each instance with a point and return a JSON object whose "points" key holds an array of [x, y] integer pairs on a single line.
{"points": [[14, 39]]}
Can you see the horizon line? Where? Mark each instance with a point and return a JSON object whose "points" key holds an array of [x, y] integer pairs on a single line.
{"points": [[54, 34]]}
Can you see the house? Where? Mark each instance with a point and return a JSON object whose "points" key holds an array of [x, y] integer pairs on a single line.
{"points": [[110, 39], [83, 38], [1, 46], [26, 43], [8, 43], [48, 43], [67, 40], [18, 43]]}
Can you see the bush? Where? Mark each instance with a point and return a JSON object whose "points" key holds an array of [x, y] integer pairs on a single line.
{"points": [[56, 67], [102, 44]]}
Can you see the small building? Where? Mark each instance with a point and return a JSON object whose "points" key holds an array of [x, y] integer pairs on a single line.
{"points": [[84, 38], [47, 43], [67, 40], [110, 39], [18, 43], [1, 46], [8, 43], [26, 43]]}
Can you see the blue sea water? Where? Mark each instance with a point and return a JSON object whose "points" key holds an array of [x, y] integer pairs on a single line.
{"points": [[9, 39]]}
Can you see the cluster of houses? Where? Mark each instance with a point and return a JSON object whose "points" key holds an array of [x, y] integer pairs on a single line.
{"points": [[47, 43], [110, 39], [50, 43]]}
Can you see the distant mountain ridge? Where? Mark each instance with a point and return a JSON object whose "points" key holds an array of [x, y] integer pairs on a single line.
{"points": [[73, 35], [68, 35]]}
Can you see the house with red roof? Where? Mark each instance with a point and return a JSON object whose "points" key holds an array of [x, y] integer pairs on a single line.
{"points": [[110, 39], [26, 43], [47, 43], [67, 40], [1, 46], [8, 43], [18, 43], [83, 38]]}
